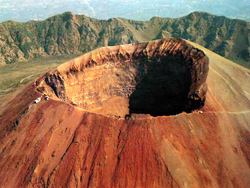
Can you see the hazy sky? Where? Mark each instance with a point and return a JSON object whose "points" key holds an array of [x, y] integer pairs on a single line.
{"points": [[25, 10]]}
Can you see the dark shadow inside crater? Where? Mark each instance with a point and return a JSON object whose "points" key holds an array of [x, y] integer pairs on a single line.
{"points": [[158, 84], [163, 87]]}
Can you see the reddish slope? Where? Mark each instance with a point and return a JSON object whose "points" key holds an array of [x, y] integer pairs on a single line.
{"points": [[56, 144]]}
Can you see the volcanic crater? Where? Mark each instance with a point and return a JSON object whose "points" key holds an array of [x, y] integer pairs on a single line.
{"points": [[162, 77]]}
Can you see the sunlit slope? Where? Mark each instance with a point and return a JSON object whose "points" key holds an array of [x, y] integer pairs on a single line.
{"points": [[228, 81]]}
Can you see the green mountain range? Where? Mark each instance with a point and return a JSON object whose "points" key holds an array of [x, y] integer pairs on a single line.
{"points": [[69, 34]]}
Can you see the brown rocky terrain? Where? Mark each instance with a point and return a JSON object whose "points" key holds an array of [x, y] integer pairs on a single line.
{"points": [[114, 119], [69, 34]]}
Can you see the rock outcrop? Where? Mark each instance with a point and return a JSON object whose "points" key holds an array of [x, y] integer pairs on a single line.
{"points": [[69, 34], [58, 143], [161, 77]]}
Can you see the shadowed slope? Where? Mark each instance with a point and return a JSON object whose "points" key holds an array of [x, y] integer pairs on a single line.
{"points": [[55, 144]]}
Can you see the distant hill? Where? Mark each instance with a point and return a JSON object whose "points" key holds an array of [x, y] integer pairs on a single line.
{"points": [[68, 34]]}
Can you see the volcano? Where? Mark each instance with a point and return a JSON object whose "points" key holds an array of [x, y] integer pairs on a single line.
{"points": [[164, 113]]}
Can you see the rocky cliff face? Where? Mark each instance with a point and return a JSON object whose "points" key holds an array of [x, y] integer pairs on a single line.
{"points": [[69, 33], [56, 143]]}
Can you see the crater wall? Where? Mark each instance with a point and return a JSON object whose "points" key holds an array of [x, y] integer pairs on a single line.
{"points": [[161, 77]]}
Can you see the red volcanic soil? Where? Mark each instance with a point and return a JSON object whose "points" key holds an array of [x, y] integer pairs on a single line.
{"points": [[127, 116]]}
